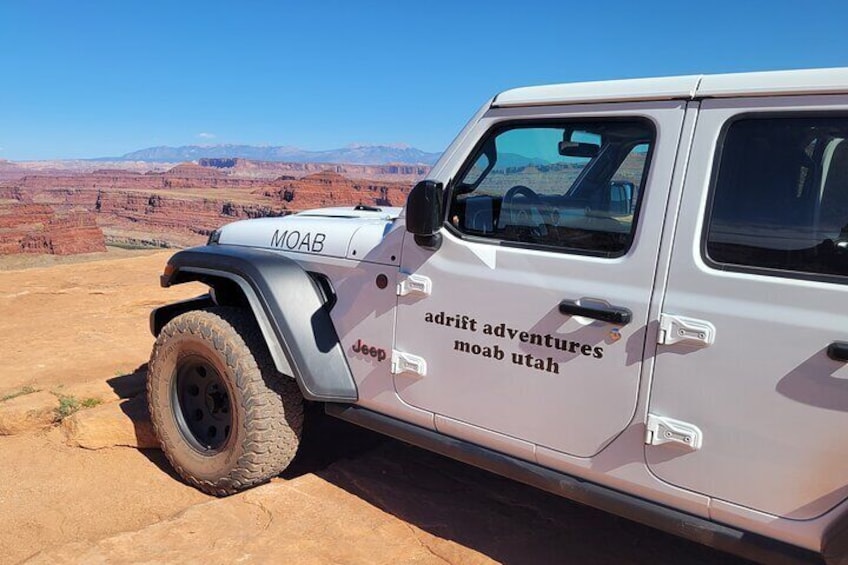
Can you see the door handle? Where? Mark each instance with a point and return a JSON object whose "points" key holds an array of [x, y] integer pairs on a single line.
{"points": [[609, 314], [838, 351]]}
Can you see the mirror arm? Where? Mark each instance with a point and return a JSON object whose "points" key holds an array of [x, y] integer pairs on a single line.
{"points": [[431, 242]]}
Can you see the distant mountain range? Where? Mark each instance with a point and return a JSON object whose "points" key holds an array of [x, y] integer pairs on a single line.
{"points": [[353, 154]]}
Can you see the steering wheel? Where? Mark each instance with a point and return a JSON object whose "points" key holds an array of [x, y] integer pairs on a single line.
{"points": [[526, 209]]}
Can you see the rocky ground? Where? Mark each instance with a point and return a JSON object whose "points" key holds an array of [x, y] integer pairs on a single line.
{"points": [[82, 482]]}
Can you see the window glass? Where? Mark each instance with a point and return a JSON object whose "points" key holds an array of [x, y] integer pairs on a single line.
{"points": [[573, 186], [780, 198]]}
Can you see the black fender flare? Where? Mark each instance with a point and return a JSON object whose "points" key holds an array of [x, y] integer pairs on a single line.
{"points": [[288, 306]]}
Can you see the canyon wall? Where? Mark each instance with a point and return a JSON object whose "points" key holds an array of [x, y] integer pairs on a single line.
{"points": [[38, 228], [60, 212]]}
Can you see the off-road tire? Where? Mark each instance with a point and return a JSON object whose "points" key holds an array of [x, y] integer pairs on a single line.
{"points": [[265, 408]]}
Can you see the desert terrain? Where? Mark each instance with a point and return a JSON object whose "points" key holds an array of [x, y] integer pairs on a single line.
{"points": [[81, 479], [70, 208]]}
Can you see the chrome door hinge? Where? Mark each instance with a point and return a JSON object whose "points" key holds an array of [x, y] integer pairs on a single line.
{"points": [[660, 430], [415, 284], [679, 329], [408, 363]]}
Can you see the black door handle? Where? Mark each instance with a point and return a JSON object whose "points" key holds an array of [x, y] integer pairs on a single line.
{"points": [[838, 351], [609, 314]]}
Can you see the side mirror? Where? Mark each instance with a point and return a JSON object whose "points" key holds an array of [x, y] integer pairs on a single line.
{"points": [[621, 197], [424, 213]]}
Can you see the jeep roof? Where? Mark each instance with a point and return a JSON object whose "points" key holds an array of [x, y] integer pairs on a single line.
{"points": [[687, 87]]}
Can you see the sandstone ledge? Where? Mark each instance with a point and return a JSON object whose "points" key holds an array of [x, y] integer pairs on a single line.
{"points": [[305, 520], [37, 410], [116, 424], [27, 412]]}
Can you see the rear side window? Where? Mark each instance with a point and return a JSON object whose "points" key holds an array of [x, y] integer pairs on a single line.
{"points": [[780, 197]]}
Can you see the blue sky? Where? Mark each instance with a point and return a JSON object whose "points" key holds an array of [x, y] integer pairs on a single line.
{"points": [[89, 79]]}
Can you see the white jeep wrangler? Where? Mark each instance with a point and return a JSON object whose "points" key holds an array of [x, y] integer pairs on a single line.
{"points": [[632, 293]]}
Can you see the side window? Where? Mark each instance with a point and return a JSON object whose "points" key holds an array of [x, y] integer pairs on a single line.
{"points": [[570, 186], [780, 196]]}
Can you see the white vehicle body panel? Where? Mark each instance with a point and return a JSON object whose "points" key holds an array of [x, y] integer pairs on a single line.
{"points": [[765, 388], [331, 232], [578, 403], [364, 316]]}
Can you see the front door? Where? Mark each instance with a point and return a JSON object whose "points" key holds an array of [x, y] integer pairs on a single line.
{"points": [[761, 254], [535, 321]]}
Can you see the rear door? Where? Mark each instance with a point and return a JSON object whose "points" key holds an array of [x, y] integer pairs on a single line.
{"points": [[760, 266]]}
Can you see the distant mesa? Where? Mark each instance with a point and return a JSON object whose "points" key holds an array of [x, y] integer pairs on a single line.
{"points": [[247, 168], [192, 170], [352, 154]]}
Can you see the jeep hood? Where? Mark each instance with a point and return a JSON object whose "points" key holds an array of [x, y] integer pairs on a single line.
{"points": [[334, 232]]}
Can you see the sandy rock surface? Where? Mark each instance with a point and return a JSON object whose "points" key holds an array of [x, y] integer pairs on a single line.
{"points": [[110, 390], [52, 494], [75, 323], [27, 412], [80, 331], [323, 524], [125, 423], [387, 503]]}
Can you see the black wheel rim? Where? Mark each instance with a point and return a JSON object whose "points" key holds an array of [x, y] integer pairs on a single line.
{"points": [[202, 405]]}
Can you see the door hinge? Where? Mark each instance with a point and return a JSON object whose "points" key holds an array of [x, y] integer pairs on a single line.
{"points": [[408, 363], [415, 284], [679, 329], [660, 430]]}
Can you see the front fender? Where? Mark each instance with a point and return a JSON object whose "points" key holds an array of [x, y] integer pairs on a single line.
{"points": [[164, 314], [288, 307]]}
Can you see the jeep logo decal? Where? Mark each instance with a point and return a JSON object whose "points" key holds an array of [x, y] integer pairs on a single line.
{"points": [[369, 350]]}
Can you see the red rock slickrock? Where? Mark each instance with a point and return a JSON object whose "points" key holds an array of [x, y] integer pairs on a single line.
{"points": [[333, 189], [37, 228], [70, 212]]}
